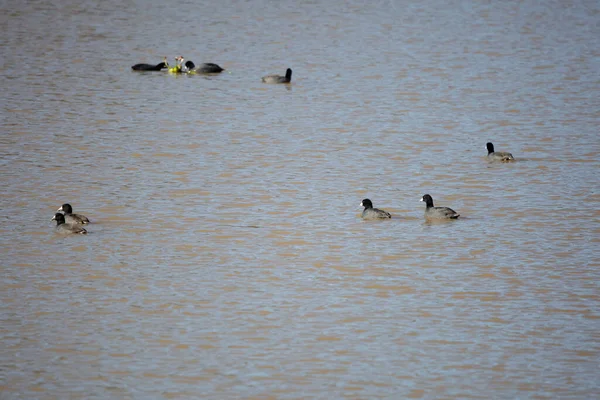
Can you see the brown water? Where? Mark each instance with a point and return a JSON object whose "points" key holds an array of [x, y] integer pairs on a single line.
{"points": [[227, 257]]}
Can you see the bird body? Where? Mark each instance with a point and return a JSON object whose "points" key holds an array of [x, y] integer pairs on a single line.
{"points": [[432, 212], [373, 213], [64, 228], [204, 68], [150, 67], [70, 218], [498, 155], [188, 67], [278, 78]]}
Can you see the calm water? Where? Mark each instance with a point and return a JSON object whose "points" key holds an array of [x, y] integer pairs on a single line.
{"points": [[227, 257]]}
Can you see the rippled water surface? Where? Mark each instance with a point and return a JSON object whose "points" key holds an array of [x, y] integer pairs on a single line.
{"points": [[227, 257]]}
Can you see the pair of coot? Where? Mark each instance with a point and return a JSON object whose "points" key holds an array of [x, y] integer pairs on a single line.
{"points": [[431, 212], [210, 68], [180, 67], [67, 222]]}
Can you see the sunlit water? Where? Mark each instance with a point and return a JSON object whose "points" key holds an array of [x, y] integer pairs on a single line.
{"points": [[227, 257]]}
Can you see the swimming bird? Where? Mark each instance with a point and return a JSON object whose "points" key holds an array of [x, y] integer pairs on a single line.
{"points": [[63, 228], [497, 155], [150, 67], [72, 218], [204, 68], [278, 78], [432, 212], [373, 213]]}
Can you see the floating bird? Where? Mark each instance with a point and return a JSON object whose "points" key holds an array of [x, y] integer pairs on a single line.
{"points": [[71, 218], [432, 212], [66, 229], [278, 78], [150, 67], [497, 155], [373, 213]]}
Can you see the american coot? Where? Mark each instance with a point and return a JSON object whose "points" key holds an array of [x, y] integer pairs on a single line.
{"points": [[66, 229], [373, 213], [150, 67], [497, 155], [432, 212], [72, 218], [278, 78], [204, 68], [189, 67]]}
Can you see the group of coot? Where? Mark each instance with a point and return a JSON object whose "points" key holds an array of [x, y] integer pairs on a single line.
{"points": [[188, 67], [432, 212], [67, 222], [71, 223]]}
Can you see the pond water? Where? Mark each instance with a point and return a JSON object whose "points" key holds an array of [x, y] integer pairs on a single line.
{"points": [[226, 257]]}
